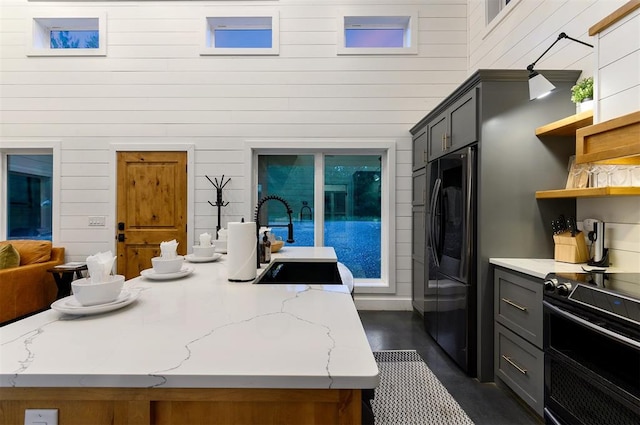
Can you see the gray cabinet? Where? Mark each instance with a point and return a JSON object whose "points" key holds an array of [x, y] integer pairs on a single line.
{"points": [[419, 150], [519, 359], [492, 110], [418, 217], [455, 128]]}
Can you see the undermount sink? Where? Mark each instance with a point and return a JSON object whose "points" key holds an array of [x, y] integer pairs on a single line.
{"points": [[288, 272]]}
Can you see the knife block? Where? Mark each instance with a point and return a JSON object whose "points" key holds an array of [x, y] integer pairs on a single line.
{"points": [[571, 249]]}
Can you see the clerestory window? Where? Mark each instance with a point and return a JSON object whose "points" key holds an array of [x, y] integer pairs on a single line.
{"points": [[377, 34], [66, 35], [241, 35]]}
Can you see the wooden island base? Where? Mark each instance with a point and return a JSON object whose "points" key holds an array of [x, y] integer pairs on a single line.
{"points": [[183, 406]]}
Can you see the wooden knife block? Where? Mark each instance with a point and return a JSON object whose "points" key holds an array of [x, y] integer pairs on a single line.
{"points": [[570, 249]]}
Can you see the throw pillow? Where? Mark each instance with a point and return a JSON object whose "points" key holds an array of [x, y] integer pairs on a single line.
{"points": [[9, 257], [32, 251]]}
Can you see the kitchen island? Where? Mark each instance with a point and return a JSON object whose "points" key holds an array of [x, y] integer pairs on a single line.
{"points": [[198, 349]]}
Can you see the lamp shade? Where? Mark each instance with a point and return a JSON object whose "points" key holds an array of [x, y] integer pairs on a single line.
{"points": [[539, 86]]}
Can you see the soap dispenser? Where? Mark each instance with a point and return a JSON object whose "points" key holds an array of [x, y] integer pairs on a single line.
{"points": [[265, 249]]}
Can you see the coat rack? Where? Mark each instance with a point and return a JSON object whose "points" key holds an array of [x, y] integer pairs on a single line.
{"points": [[219, 185]]}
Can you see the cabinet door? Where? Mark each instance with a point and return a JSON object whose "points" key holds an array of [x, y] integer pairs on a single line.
{"points": [[463, 122], [418, 243], [420, 149], [419, 189], [437, 132]]}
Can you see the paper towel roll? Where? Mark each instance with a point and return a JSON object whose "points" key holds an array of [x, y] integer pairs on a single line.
{"points": [[242, 251]]}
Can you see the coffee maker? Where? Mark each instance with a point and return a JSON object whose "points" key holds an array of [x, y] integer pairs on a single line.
{"points": [[600, 254]]}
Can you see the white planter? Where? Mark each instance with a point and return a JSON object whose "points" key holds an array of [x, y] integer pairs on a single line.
{"points": [[587, 105]]}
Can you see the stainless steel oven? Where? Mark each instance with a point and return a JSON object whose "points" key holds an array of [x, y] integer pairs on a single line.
{"points": [[592, 349]]}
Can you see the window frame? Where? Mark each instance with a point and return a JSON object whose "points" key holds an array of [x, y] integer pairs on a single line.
{"points": [[39, 28], [31, 148], [207, 44], [491, 22], [385, 148], [392, 15]]}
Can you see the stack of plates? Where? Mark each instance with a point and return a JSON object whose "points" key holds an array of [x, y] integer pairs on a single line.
{"points": [[70, 304], [196, 259], [153, 275]]}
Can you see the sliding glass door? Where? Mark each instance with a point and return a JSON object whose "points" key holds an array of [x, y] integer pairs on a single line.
{"points": [[349, 216]]}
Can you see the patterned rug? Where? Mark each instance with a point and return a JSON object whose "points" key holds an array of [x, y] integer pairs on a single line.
{"points": [[409, 393]]}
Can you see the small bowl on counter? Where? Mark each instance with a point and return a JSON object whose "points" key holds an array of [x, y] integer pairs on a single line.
{"points": [[163, 265], [204, 251], [89, 293], [277, 245]]}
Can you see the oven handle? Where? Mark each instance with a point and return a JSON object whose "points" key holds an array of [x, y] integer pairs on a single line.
{"points": [[606, 332], [552, 419]]}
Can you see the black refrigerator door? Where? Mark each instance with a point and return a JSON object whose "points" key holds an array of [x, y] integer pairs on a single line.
{"points": [[456, 210], [452, 230], [453, 321], [432, 228]]}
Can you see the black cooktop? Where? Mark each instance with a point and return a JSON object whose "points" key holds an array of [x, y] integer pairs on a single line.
{"points": [[616, 294]]}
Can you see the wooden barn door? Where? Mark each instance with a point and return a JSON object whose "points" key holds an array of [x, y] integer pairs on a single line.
{"points": [[152, 207]]}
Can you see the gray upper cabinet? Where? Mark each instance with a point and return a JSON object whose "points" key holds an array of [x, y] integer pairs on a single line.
{"points": [[419, 150], [455, 128]]}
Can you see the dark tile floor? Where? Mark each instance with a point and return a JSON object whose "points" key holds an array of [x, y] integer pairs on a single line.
{"points": [[485, 403]]}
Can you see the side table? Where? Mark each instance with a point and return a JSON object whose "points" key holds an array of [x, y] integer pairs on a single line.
{"points": [[64, 274]]}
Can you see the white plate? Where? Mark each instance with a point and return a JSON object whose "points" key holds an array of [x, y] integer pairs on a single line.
{"points": [[195, 259], [151, 274], [70, 304]]}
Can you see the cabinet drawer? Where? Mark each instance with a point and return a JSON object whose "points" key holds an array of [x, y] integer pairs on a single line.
{"points": [[518, 304], [520, 365]]}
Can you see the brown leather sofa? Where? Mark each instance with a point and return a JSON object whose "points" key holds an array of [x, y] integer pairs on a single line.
{"points": [[29, 288]]}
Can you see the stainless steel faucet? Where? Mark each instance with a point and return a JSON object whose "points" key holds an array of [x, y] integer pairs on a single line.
{"points": [[257, 220]]}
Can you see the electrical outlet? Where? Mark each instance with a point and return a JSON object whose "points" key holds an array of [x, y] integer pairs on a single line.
{"points": [[99, 220], [41, 417], [588, 224]]}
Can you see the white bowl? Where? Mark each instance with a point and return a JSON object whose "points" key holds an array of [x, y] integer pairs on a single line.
{"points": [[167, 265], [89, 293], [204, 251], [221, 246]]}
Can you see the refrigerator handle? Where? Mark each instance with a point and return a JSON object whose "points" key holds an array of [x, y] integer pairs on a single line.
{"points": [[468, 222], [432, 213]]}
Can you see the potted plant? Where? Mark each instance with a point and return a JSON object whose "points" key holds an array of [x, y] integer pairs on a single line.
{"points": [[582, 94]]}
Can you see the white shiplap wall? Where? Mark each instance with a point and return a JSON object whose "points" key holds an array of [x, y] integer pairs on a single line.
{"points": [[530, 27], [154, 89]]}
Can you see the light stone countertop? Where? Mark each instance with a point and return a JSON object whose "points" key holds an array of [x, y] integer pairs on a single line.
{"points": [[201, 331], [540, 267]]}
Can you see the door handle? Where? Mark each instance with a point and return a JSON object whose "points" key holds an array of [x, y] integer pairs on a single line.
{"points": [[121, 237]]}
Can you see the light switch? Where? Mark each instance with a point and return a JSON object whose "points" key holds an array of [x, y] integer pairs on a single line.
{"points": [[41, 417], [99, 220]]}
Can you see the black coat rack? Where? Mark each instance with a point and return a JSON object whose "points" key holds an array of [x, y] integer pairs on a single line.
{"points": [[219, 185]]}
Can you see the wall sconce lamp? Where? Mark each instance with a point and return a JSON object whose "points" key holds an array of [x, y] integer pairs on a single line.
{"points": [[538, 85]]}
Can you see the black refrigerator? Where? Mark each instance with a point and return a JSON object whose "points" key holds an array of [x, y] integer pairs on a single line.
{"points": [[450, 302]]}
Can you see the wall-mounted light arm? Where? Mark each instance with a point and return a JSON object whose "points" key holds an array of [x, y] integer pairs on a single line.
{"points": [[538, 85]]}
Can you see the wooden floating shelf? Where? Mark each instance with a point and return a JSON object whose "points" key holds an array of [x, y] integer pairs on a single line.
{"points": [[566, 126], [589, 192]]}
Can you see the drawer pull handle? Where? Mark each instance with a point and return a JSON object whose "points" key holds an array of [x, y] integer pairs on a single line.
{"points": [[511, 303], [512, 363]]}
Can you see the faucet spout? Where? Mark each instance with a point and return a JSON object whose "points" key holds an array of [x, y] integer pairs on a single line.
{"points": [[289, 226]]}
